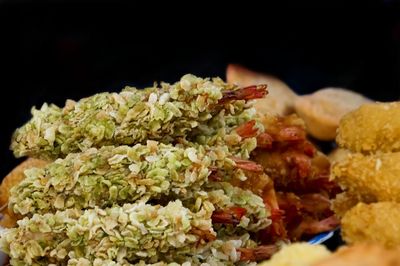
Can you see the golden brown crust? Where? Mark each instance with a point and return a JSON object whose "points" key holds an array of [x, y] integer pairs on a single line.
{"points": [[344, 202], [371, 128], [362, 255], [372, 177], [373, 223]]}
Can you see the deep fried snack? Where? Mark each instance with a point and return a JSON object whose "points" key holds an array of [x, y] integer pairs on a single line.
{"points": [[280, 100], [323, 110], [362, 255], [372, 177], [9, 219], [133, 116], [298, 254], [373, 223], [292, 161], [16, 175], [344, 202], [370, 128]]}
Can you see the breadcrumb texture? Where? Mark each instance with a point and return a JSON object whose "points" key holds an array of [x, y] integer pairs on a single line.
{"points": [[370, 128], [373, 223], [298, 254], [362, 255], [372, 177]]}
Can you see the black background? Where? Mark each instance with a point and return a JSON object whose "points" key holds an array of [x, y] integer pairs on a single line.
{"points": [[51, 53]]}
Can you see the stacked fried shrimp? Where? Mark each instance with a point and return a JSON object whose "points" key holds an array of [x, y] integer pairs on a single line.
{"points": [[180, 174], [141, 177], [370, 174]]}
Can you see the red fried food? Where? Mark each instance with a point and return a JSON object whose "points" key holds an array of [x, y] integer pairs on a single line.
{"points": [[291, 160], [230, 215], [259, 253], [247, 93]]}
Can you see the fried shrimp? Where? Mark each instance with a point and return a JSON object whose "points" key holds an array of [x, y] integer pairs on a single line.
{"points": [[370, 128], [9, 218], [134, 116], [373, 223], [372, 177]]}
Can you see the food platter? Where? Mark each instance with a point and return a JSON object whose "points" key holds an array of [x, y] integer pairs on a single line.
{"points": [[201, 171]]}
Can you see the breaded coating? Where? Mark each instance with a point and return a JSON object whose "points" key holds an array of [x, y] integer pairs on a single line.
{"points": [[298, 254], [373, 223], [9, 219], [362, 255], [344, 202], [372, 177], [370, 128], [15, 177]]}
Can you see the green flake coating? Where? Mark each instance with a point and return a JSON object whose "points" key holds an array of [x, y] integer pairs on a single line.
{"points": [[128, 233], [129, 117], [116, 175]]}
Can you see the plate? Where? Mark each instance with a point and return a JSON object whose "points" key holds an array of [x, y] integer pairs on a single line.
{"points": [[321, 238]]}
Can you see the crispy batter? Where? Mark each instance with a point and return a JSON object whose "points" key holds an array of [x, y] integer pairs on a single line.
{"points": [[280, 100], [13, 178], [344, 202], [373, 223], [372, 177], [370, 128], [298, 254], [323, 110], [362, 255]]}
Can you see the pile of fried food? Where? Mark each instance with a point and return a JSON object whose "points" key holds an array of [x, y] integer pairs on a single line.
{"points": [[203, 172], [186, 173], [369, 174], [366, 166]]}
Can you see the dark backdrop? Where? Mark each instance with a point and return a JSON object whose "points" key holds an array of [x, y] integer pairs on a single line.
{"points": [[50, 54]]}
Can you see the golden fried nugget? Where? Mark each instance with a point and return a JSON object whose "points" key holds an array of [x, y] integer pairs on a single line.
{"points": [[13, 178], [373, 223], [370, 128], [344, 202], [362, 255], [298, 254], [323, 110], [373, 177], [280, 99]]}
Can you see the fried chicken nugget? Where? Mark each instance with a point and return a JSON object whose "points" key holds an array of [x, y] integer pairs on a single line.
{"points": [[362, 255], [370, 177], [370, 128], [373, 223], [344, 202], [13, 178]]}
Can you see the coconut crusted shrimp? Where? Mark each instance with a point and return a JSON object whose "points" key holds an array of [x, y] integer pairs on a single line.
{"points": [[130, 117]]}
